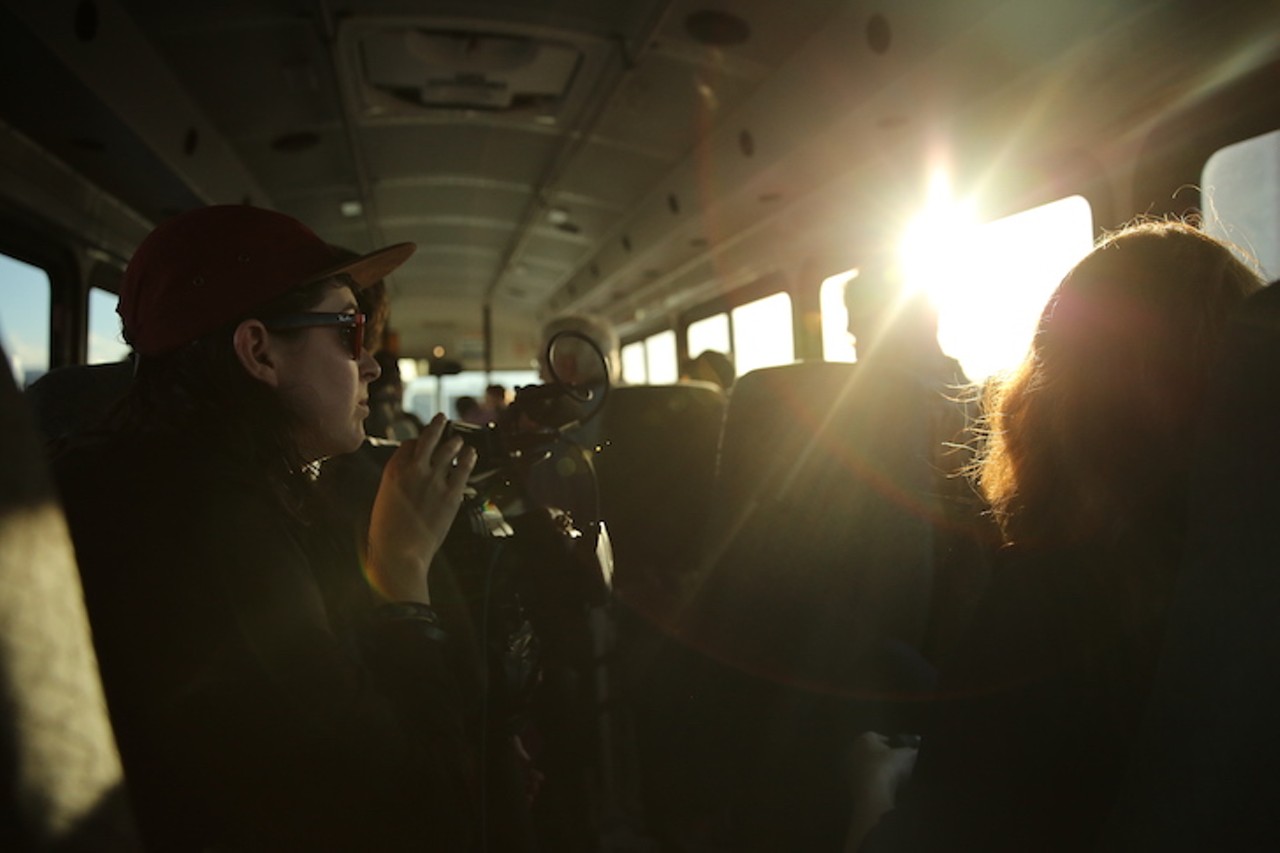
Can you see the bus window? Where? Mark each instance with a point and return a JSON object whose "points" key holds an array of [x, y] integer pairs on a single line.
{"points": [[837, 344], [633, 364], [24, 319], [106, 334], [709, 333], [660, 358], [1241, 185], [989, 282], [762, 333], [424, 395]]}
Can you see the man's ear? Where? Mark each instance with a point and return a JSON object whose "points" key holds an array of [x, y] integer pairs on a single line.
{"points": [[253, 347]]}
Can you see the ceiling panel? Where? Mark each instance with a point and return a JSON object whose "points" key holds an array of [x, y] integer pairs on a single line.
{"points": [[481, 200], [496, 153]]}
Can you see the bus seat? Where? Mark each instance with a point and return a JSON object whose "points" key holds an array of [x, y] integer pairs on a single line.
{"points": [[63, 782], [810, 606], [655, 469], [70, 399], [821, 548], [1207, 760]]}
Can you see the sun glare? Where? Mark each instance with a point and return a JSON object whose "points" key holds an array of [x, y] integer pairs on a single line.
{"points": [[990, 281]]}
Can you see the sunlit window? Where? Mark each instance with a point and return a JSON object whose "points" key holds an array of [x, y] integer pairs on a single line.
{"points": [[837, 343], [106, 334], [634, 370], [991, 287], [24, 318], [709, 333], [989, 282], [1241, 186], [660, 358], [425, 395], [762, 333]]}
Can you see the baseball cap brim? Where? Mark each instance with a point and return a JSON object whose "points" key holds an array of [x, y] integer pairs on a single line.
{"points": [[373, 267]]}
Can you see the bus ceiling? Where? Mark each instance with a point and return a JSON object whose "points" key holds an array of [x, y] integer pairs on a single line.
{"points": [[624, 158]]}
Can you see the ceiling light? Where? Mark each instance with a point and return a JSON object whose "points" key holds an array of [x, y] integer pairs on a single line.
{"points": [[351, 209]]}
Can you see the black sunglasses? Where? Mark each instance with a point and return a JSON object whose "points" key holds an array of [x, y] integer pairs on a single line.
{"points": [[350, 326]]}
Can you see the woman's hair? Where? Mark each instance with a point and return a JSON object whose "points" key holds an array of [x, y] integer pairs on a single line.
{"points": [[1090, 437], [202, 390]]}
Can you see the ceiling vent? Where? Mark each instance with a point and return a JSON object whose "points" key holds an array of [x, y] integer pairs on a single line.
{"points": [[424, 69]]}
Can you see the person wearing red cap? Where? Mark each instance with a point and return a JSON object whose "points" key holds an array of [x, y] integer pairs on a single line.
{"points": [[266, 693]]}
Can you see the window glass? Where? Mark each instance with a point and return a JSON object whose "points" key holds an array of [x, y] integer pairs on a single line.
{"points": [[989, 281], [660, 358], [106, 333], [762, 333], [633, 364], [837, 343], [425, 395], [1241, 187], [991, 285], [24, 319], [709, 333]]}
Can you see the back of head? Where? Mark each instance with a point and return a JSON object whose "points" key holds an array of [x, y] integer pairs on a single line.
{"points": [[1090, 436], [575, 361], [885, 316], [712, 366]]}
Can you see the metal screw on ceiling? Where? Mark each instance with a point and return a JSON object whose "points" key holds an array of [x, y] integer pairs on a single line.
{"points": [[88, 143], [626, 243], [746, 143], [673, 202], [879, 36], [716, 29], [292, 143]]}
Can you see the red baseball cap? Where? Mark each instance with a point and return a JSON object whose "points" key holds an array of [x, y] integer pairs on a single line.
{"points": [[204, 268]]}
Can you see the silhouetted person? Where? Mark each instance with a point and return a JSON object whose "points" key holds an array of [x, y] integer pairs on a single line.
{"points": [[710, 366]]}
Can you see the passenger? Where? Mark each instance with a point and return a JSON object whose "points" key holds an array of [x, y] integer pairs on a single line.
{"points": [[710, 366], [267, 694], [495, 401], [582, 352], [901, 363], [586, 355], [470, 411], [387, 417], [1086, 472]]}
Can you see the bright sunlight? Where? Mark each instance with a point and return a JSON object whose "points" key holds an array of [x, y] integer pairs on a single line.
{"points": [[989, 281]]}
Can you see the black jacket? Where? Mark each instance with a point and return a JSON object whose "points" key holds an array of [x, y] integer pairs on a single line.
{"points": [[260, 698]]}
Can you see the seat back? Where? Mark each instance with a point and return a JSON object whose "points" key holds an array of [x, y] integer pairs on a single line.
{"points": [[71, 399], [821, 549], [655, 470], [64, 788]]}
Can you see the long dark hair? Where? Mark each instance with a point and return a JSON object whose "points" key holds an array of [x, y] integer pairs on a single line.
{"points": [[201, 392]]}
